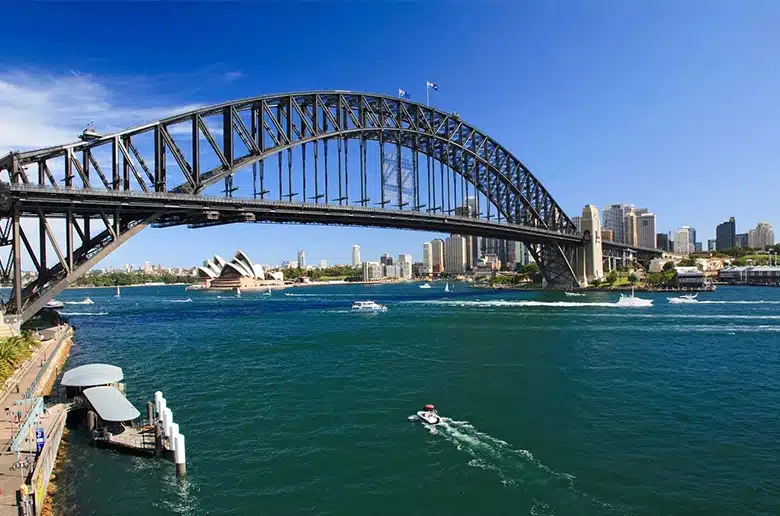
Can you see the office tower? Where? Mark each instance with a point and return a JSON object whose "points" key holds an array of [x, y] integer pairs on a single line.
{"points": [[692, 236], [455, 255], [726, 235], [301, 259], [645, 224], [741, 240], [630, 230], [404, 258], [762, 236], [662, 241], [386, 259], [437, 254], [372, 271], [712, 244], [699, 247], [427, 267], [355, 255], [578, 223], [614, 219], [682, 241]]}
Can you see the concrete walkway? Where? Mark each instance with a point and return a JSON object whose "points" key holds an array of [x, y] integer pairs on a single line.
{"points": [[11, 479]]}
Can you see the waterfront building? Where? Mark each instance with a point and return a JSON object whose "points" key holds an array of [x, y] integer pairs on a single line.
{"points": [[301, 259], [614, 219], [404, 258], [390, 271], [239, 272], [741, 240], [437, 253], [455, 255], [386, 259], [682, 241], [662, 241], [355, 255], [404, 270], [759, 274], [726, 234], [712, 244], [427, 259], [762, 236], [372, 271], [418, 270], [645, 224], [689, 277]]}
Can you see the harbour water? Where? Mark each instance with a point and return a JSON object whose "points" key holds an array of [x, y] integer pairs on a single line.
{"points": [[552, 405]]}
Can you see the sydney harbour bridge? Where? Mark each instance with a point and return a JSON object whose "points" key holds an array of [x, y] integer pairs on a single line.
{"points": [[329, 157]]}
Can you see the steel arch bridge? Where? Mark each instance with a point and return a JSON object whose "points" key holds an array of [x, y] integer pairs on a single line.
{"points": [[127, 180]]}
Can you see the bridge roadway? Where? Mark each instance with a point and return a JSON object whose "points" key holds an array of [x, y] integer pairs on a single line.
{"points": [[200, 211]]}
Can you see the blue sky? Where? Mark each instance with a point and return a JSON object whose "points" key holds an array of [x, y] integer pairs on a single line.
{"points": [[667, 105]]}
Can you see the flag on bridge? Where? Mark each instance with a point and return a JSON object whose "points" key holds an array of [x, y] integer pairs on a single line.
{"points": [[403, 94], [429, 84]]}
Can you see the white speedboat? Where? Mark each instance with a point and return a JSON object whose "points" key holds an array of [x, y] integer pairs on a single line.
{"points": [[118, 294], [575, 294], [267, 293], [447, 287], [634, 301], [368, 307], [238, 292], [197, 286], [54, 304], [429, 415], [687, 298], [425, 285]]}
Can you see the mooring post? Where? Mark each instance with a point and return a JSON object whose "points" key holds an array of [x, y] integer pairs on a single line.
{"points": [[174, 433], [157, 397], [163, 405], [150, 413], [157, 439], [167, 421], [179, 456]]}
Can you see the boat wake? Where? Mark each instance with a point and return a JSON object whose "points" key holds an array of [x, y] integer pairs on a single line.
{"points": [[85, 301], [499, 303], [188, 300], [83, 314], [518, 468], [723, 302]]}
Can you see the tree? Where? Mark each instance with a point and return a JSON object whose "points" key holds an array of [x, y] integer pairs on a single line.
{"points": [[668, 266], [633, 278], [687, 262], [611, 276]]}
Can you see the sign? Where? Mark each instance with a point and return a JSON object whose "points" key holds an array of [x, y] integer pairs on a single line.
{"points": [[40, 439]]}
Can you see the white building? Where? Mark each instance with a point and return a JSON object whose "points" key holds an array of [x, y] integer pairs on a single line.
{"points": [[762, 236], [301, 259], [405, 258], [437, 254], [323, 264], [614, 219], [645, 229], [404, 270], [682, 241], [455, 255], [372, 271], [355, 255], [522, 255], [427, 258], [390, 271]]}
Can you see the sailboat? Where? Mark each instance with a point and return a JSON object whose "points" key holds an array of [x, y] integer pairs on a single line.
{"points": [[447, 287], [117, 295]]}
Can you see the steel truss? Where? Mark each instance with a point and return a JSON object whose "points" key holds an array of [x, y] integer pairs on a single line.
{"points": [[248, 133]]}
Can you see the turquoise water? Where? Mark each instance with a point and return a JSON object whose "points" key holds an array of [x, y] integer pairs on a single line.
{"points": [[553, 405]]}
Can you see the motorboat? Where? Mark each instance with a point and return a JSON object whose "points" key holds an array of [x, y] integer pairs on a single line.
{"points": [[54, 304], [368, 307], [633, 301], [425, 285], [267, 293], [575, 294], [197, 286], [117, 295], [687, 298], [238, 292], [447, 287], [429, 415]]}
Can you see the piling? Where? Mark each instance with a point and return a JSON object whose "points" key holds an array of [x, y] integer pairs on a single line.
{"points": [[174, 433], [158, 439], [167, 421], [150, 413], [179, 456], [91, 421], [157, 397], [163, 406]]}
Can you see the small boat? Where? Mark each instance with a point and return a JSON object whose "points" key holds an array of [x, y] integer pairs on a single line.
{"points": [[633, 301], [54, 304], [195, 287], [429, 415], [267, 293], [117, 295], [575, 294], [368, 307], [425, 285], [447, 287], [238, 292], [687, 298]]}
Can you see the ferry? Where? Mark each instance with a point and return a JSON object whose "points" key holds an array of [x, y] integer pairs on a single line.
{"points": [[575, 294], [368, 306], [633, 301]]}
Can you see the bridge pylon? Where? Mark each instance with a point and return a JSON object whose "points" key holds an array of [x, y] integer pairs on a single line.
{"points": [[589, 258]]}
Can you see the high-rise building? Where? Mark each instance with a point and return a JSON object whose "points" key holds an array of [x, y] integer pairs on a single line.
{"points": [[427, 267], [692, 235], [682, 241], [301, 259], [640, 211], [662, 242], [386, 259], [607, 234], [614, 219], [630, 230], [473, 243], [355, 255], [712, 244], [404, 269], [437, 255], [645, 229], [323, 264], [578, 223], [372, 271], [455, 255], [699, 247], [404, 258], [725, 235], [741, 240], [762, 236], [523, 255]]}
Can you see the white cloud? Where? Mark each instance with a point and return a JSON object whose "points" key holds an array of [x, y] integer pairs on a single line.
{"points": [[40, 110]]}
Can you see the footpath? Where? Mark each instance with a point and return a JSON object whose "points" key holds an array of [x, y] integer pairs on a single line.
{"points": [[34, 378]]}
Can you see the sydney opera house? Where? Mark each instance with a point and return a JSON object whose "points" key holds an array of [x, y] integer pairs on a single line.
{"points": [[239, 272]]}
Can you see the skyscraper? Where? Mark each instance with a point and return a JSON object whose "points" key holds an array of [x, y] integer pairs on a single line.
{"points": [[712, 244], [355, 255], [405, 258], [645, 224], [386, 259], [692, 236], [614, 216], [762, 236], [726, 235], [662, 242], [301, 259], [741, 240], [473, 243], [630, 233], [437, 255], [455, 255], [682, 241], [427, 267], [578, 223]]}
